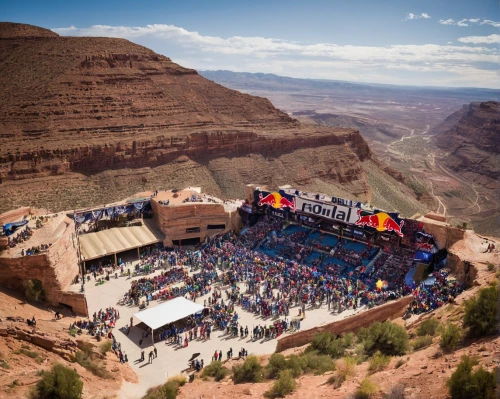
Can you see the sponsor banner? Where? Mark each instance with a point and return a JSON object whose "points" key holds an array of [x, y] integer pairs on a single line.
{"points": [[276, 199], [381, 221], [328, 211]]}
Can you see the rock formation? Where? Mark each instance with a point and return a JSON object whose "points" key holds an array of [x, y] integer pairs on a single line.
{"points": [[473, 143], [98, 118]]}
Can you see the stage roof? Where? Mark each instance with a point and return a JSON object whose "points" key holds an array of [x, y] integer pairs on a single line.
{"points": [[168, 312], [119, 239]]}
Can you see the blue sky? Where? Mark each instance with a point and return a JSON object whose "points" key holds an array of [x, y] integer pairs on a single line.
{"points": [[418, 42]]}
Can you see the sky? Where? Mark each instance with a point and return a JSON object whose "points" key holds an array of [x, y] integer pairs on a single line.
{"points": [[409, 42]]}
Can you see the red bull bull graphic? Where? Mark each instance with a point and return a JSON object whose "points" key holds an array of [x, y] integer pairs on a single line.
{"points": [[381, 222], [276, 200]]}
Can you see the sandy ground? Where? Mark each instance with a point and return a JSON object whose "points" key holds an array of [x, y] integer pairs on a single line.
{"points": [[172, 361]]}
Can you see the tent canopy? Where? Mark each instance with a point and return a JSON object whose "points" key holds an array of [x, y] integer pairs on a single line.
{"points": [[168, 312]]}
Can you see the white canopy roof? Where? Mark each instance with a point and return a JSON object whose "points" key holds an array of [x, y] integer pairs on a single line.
{"points": [[168, 312]]}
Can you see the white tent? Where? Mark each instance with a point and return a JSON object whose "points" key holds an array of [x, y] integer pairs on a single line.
{"points": [[168, 312]]}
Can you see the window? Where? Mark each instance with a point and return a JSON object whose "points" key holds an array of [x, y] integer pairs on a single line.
{"points": [[193, 230]]}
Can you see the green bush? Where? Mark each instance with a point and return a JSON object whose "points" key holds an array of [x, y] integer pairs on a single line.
{"points": [[366, 389], [249, 371], [169, 390], [277, 363], [428, 327], [422, 342], [388, 338], [315, 363], [283, 386], [296, 364], [33, 290], [451, 336], [481, 312], [60, 382], [215, 370], [105, 347], [378, 362], [465, 384], [332, 345], [491, 267]]}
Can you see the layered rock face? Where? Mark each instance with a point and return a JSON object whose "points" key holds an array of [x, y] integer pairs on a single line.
{"points": [[473, 143], [95, 119]]}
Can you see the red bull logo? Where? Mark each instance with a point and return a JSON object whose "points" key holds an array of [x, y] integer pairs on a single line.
{"points": [[276, 201], [381, 222]]}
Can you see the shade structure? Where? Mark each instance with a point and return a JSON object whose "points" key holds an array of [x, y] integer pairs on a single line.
{"points": [[119, 239], [168, 312]]}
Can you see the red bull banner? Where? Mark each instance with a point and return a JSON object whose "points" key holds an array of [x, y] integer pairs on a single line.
{"points": [[340, 213], [276, 200], [381, 221]]}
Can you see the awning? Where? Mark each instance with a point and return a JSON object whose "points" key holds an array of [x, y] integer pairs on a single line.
{"points": [[168, 312], [119, 239]]}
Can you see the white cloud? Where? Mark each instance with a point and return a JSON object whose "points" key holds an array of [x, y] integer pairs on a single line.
{"points": [[411, 15], [467, 22], [490, 22], [433, 63], [491, 39], [447, 21]]}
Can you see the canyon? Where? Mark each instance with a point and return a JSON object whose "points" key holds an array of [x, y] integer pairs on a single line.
{"points": [[95, 119]]}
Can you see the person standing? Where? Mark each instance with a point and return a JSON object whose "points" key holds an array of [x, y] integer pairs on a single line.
{"points": [[155, 351], [151, 357], [142, 356]]}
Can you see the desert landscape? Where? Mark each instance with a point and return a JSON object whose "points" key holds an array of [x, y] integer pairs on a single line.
{"points": [[172, 233]]}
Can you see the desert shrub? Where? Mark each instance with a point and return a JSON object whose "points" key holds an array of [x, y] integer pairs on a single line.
{"points": [[345, 368], [465, 384], [366, 389], [4, 364], [422, 342], [277, 363], [25, 350], [388, 338], [85, 359], [481, 312], [105, 347], [33, 290], [378, 362], [332, 345], [315, 363], [451, 335], [215, 370], [168, 390], [399, 363], [428, 327], [296, 365], [360, 353], [491, 267], [284, 385], [60, 382], [249, 371]]}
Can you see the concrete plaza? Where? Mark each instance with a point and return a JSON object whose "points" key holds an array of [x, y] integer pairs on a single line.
{"points": [[172, 360]]}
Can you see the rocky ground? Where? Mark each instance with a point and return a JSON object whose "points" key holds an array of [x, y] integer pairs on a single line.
{"points": [[21, 360]]}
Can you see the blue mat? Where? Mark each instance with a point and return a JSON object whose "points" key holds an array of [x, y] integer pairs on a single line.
{"points": [[294, 229]]}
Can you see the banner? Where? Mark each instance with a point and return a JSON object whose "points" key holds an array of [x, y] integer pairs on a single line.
{"points": [[333, 212]]}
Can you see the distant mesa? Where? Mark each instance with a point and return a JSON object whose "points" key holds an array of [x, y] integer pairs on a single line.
{"points": [[10, 30]]}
